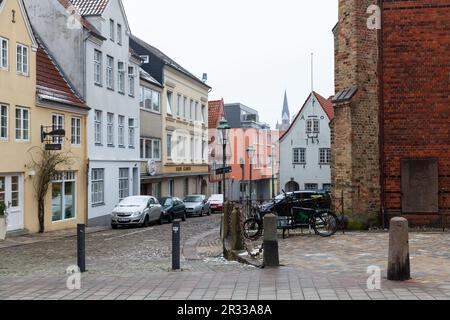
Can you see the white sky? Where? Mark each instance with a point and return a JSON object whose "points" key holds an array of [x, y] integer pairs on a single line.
{"points": [[252, 50]]}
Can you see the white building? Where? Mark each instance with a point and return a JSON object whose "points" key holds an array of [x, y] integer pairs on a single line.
{"points": [[305, 148], [90, 41]]}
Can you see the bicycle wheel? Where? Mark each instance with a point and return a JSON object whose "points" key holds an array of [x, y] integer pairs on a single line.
{"points": [[325, 223], [253, 229]]}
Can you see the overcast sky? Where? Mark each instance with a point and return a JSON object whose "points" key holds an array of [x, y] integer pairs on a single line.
{"points": [[252, 50]]}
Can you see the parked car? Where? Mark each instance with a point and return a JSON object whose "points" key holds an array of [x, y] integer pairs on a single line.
{"points": [[173, 208], [197, 205], [136, 211], [216, 203], [283, 203]]}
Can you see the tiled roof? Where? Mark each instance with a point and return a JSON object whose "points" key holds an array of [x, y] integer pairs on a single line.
{"points": [[90, 7], [167, 61], [67, 5], [51, 85], [326, 104], [215, 112], [144, 75]]}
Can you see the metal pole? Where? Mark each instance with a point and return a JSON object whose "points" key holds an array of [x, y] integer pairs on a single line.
{"points": [[251, 183], [176, 246], [81, 247], [224, 175], [273, 177]]}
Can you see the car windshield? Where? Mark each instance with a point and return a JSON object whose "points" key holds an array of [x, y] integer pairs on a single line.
{"points": [[166, 201], [216, 197], [193, 199], [133, 202]]}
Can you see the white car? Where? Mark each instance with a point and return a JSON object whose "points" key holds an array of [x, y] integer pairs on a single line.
{"points": [[216, 203], [136, 211]]}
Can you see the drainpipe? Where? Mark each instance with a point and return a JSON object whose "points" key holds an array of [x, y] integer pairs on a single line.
{"points": [[381, 115]]}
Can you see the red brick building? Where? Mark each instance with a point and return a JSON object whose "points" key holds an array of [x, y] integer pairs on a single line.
{"points": [[391, 133]]}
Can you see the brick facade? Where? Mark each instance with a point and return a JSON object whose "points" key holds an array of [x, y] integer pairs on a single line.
{"points": [[402, 77]]}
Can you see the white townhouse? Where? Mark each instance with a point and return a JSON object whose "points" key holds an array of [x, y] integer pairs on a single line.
{"points": [[305, 148], [90, 41]]}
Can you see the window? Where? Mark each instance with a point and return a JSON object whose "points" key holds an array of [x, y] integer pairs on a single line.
{"points": [[131, 130], [15, 191], [98, 61], [185, 106], [111, 29], [169, 146], [204, 151], [3, 122], [196, 111], [171, 188], [151, 149], [309, 124], [191, 110], [22, 59], [325, 156], [110, 129], [63, 196], [179, 106], [312, 126], [98, 186], [124, 183], [110, 72], [119, 34], [76, 131], [131, 77], [204, 116], [150, 100], [22, 124], [98, 127], [121, 136], [121, 77], [192, 149], [57, 124], [299, 156], [311, 187], [169, 102], [327, 187], [316, 126], [4, 59], [181, 147]]}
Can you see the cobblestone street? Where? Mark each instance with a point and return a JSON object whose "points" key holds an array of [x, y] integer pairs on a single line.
{"points": [[134, 264]]}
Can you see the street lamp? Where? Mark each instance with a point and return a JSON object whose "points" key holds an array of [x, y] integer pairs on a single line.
{"points": [[273, 157], [250, 153], [224, 128]]}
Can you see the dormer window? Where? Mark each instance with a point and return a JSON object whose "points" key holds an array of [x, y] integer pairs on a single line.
{"points": [[111, 29]]}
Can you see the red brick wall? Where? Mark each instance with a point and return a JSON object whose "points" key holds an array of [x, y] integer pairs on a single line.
{"points": [[416, 89]]}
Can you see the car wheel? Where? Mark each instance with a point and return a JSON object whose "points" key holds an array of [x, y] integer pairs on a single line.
{"points": [[114, 226], [161, 218], [146, 222], [183, 218], [209, 212], [201, 213]]}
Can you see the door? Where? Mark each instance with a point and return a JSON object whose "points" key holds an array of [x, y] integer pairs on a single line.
{"points": [[11, 194]]}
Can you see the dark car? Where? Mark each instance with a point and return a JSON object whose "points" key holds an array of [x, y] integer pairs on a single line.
{"points": [[173, 208], [282, 204]]}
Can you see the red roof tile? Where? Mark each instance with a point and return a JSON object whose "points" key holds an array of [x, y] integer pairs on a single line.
{"points": [[215, 113], [51, 85]]}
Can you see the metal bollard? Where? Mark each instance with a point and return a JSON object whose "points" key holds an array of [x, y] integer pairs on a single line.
{"points": [[176, 239], [398, 263], [271, 256], [81, 247]]}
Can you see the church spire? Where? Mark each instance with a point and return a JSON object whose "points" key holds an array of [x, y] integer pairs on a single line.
{"points": [[286, 107]]}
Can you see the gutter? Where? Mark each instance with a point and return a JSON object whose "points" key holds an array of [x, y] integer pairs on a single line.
{"points": [[381, 115]]}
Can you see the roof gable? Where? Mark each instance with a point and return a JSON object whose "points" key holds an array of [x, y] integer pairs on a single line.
{"points": [[26, 21]]}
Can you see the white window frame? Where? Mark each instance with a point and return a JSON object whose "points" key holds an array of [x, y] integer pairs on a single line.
{"points": [[63, 178], [179, 106], [169, 146], [119, 34], [58, 125], [153, 95], [97, 186], [75, 131], [121, 77], [98, 67], [4, 54], [22, 64], [324, 156], [110, 72], [4, 121], [23, 128], [297, 155], [203, 113], [121, 131], [196, 111], [185, 106], [131, 81], [316, 126], [155, 144], [110, 129], [98, 127], [124, 183], [131, 133], [111, 30], [191, 109], [169, 102]]}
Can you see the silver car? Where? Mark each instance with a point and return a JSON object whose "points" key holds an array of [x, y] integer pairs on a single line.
{"points": [[197, 205], [136, 211]]}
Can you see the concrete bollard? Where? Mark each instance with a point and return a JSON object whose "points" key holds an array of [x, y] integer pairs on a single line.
{"points": [[237, 241], [271, 255], [398, 263]]}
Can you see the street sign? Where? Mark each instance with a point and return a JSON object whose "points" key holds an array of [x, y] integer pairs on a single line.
{"points": [[53, 147], [224, 170]]}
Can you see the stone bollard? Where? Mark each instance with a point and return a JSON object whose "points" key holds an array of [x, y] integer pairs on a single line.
{"points": [[398, 263], [237, 241], [271, 256]]}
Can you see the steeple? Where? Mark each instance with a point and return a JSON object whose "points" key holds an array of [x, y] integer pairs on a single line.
{"points": [[286, 108]]}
